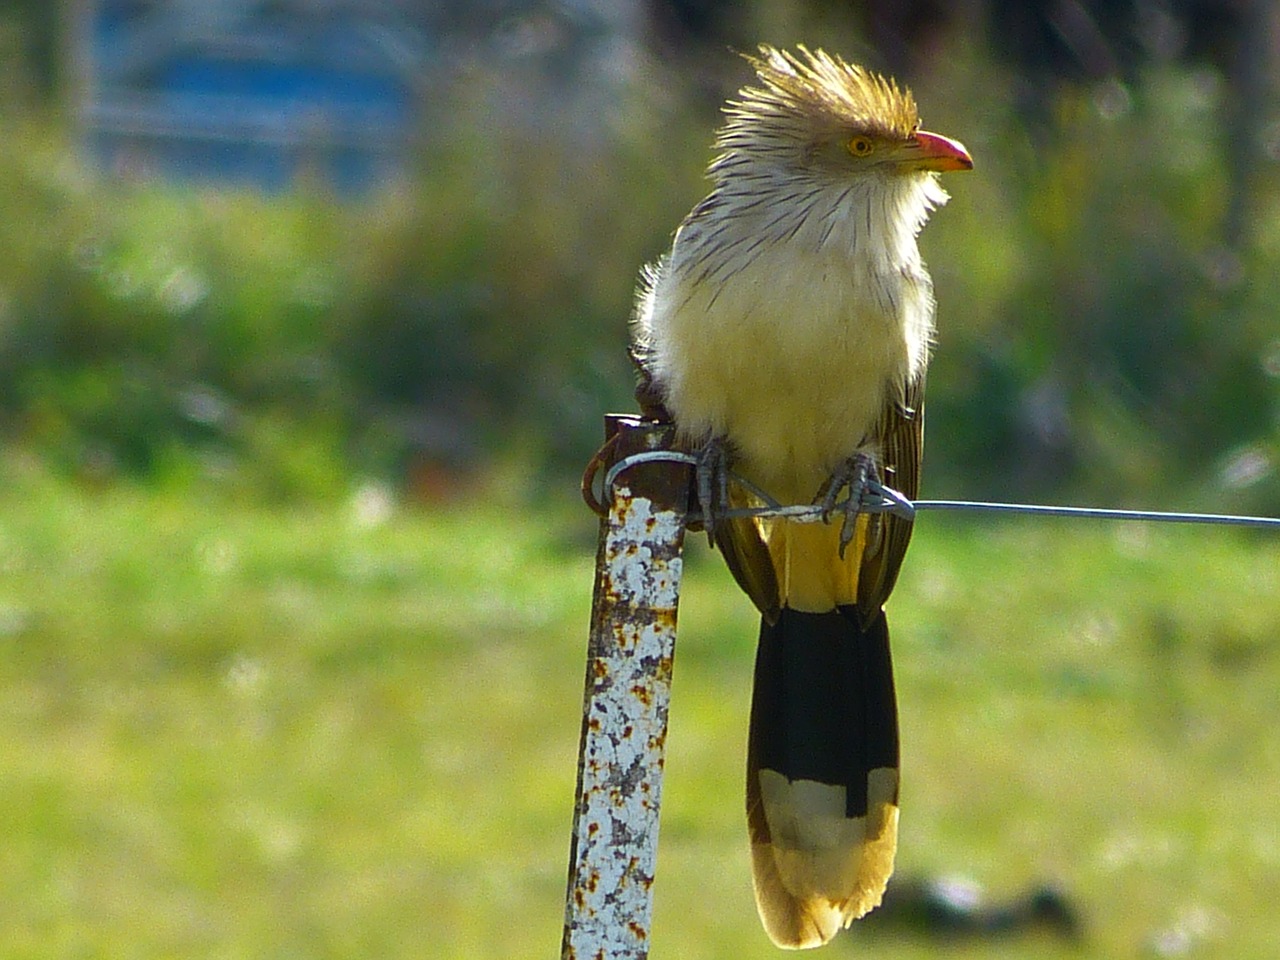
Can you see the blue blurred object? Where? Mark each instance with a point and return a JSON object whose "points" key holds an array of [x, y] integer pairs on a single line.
{"points": [[252, 92]]}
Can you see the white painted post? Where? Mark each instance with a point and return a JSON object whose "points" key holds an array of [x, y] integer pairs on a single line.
{"points": [[630, 655]]}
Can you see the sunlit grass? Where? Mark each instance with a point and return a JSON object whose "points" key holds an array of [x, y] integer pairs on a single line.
{"points": [[239, 731]]}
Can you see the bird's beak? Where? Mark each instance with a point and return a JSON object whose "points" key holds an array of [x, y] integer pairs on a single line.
{"points": [[929, 151]]}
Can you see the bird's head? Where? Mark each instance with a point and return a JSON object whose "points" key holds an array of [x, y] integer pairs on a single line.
{"points": [[816, 115]]}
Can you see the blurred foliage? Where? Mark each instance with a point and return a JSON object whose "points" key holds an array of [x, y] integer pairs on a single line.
{"points": [[281, 343], [1096, 330], [28, 50], [156, 333], [1098, 337]]}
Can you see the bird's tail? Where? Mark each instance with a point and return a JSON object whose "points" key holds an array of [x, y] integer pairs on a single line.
{"points": [[822, 772]]}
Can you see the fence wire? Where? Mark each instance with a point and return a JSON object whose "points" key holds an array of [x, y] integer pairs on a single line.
{"points": [[877, 498]]}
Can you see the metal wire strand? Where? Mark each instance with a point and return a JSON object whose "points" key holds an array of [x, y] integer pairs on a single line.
{"points": [[881, 499]]}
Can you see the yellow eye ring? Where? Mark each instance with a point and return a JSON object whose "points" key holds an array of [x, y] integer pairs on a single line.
{"points": [[861, 146]]}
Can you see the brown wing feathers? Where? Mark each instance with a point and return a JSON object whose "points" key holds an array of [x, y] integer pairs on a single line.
{"points": [[901, 445]]}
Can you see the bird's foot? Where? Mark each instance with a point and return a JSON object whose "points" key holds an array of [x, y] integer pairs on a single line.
{"points": [[860, 473], [711, 473]]}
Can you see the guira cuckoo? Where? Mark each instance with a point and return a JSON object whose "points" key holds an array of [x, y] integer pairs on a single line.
{"points": [[787, 334]]}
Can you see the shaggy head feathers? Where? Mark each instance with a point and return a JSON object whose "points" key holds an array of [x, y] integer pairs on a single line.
{"points": [[809, 97]]}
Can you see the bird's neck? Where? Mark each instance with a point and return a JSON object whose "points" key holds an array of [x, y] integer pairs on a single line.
{"points": [[872, 220]]}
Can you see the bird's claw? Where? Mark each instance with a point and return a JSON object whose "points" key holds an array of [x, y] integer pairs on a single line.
{"points": [[862, 476], [712, 476]]}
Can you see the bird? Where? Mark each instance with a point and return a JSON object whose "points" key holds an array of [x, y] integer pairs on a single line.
{"points": [[786, 334]]}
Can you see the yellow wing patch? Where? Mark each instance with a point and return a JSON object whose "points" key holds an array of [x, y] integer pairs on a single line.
{"points": [[812, 576]]}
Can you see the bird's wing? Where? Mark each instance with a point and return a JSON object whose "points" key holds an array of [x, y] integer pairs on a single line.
{"points": [[901, 444], [747, 556]]}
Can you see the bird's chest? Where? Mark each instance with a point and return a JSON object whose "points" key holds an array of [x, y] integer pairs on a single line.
{"points": [[819, 324], [793, 356]]}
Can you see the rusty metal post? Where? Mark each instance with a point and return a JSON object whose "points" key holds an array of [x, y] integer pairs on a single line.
{"points": [[630, 655]]}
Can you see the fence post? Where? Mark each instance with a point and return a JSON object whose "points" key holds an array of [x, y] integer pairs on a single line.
{"points": [[630, 654]]}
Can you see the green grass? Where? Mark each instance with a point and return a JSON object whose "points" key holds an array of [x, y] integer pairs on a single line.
{"points": [[240, 731]]}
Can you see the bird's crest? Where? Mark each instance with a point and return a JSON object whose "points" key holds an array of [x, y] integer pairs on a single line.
{"points": [[823, 90]]}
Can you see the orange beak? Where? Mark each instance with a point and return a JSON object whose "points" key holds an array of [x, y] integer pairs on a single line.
{"points": [[929, 151]]}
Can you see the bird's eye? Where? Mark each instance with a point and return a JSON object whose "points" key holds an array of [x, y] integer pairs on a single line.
{"points": [[861, 146]]}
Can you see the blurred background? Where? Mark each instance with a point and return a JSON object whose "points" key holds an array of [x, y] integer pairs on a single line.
{"points": [[309, 312], [404, 234]]}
